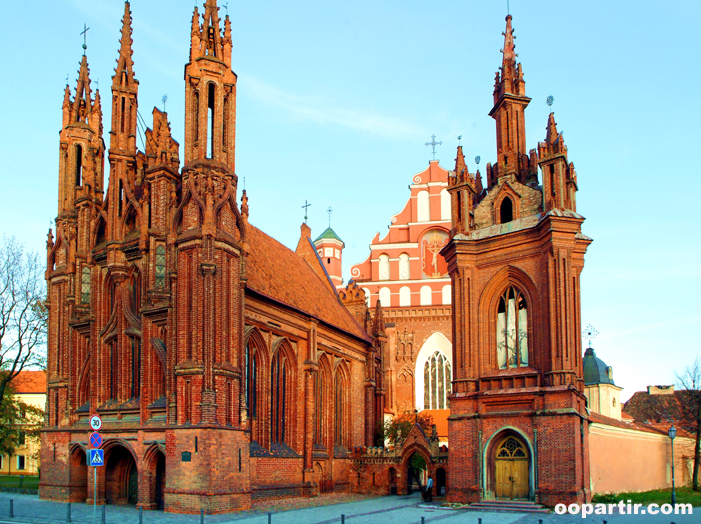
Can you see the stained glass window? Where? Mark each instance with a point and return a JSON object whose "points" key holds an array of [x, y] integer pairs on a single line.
{"points": [[85, 286], [160, 267]]}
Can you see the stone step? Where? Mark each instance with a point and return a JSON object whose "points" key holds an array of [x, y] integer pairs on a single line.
{"points": [[509, 505]]}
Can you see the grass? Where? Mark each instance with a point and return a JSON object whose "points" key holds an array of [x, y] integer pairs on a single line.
{"points": [[13, 481], [685, 495]]}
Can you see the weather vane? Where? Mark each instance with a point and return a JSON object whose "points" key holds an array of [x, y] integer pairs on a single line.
{"points": [[164, 100], [549, 100], [459, 139], [590, 332], [226, 6], [477, 160], [85, 37], [433, 145], [306, 210], [329, 211]]}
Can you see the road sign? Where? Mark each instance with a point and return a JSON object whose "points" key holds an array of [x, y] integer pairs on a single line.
{"points": [[95, 422], [97, 457], [95, 440]]}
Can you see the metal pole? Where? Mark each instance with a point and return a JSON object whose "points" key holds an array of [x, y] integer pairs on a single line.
{"points": [[68, 512], [12, 508], [94, 494], [674, 495], [201, 516], [141, 515], [103, 514], [423, 520], [343, 519], [270, 518]]}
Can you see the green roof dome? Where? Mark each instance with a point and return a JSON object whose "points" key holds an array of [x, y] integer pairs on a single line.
{"points": [[329, 234], [595, 370]]}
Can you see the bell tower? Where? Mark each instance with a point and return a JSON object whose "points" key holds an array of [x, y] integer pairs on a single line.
{"points": [[518, 427]]}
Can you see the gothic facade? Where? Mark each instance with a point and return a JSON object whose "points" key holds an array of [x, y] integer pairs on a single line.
{"points": [[223, 365], [518, 427]]}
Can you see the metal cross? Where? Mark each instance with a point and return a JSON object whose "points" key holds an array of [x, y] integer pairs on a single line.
{"points": [[433, 145], [459, 139], [329, 211], [226, 6], [590, 332], [85, 37], [164, 100], [306, 210]]}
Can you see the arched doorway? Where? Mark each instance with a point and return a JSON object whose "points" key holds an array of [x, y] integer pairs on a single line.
{"points": [[319, 477], [440, 482], [78, 475], [511, 468], [121, 477], [415, 466]]}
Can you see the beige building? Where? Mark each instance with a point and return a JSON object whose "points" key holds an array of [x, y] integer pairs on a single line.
{"points": [[30, 388]]}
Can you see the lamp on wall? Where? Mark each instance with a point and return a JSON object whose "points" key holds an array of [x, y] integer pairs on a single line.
{"points": [[673, 433]]}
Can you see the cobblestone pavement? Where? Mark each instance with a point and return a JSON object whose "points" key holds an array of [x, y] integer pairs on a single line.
{"points": [[326, 509]]}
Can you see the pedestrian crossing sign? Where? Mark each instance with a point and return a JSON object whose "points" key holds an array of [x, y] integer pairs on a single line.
{"points": [[97, 457]]}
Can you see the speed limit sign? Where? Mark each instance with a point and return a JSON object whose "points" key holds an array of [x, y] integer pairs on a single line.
{"points": [[95, 422]]}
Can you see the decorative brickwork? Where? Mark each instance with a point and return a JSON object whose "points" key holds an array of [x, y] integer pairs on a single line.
{"points": [[517, 365], [223, 364]]}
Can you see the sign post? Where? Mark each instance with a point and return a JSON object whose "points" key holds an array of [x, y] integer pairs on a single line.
{"points": [[97, 458]]}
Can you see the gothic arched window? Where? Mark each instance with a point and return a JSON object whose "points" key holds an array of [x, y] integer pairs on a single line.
{"points": [[437, 377], [320, 399], [278, 397], [340, 407], [78, 165], [506, 211], [512, 330], [251, 378]]}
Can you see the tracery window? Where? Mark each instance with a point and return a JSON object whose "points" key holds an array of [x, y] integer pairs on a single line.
{"points": [[320, 397], [85, 286], [278, 397], [437, 378], [160, 267], [512, 330]]}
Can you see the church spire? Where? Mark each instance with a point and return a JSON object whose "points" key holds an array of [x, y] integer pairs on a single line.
{"points": [[510, 102], [124, 73], [124, 93], [559, 176], [82, 104]]}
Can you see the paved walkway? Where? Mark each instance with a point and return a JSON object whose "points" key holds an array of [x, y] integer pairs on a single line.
{"points": [[368, 510]]}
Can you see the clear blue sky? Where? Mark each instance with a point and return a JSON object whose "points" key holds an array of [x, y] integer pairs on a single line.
{"points": [[336, 101]]}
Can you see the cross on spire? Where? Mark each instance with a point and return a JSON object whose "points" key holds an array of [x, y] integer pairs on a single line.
{"points": [[433, 145], [85, 37], [329, 211], [164, 100], [226, 6], [590, 332], [306, 210]]}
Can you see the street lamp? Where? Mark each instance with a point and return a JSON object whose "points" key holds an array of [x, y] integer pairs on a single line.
{"points": [[673, 433]]}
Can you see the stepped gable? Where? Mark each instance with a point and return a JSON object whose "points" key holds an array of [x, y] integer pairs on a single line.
{"points": [[277, 272]]}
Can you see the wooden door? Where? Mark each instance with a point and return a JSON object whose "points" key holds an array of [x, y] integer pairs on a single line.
{"points": [[503, 474], [519, 475], [511, 470]]}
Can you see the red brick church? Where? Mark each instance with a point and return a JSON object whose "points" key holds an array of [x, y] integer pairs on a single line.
{"points": [[227, 368], [223, 365]]}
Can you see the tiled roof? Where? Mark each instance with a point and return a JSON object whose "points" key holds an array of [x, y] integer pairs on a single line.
{"points": [[280, 274], [330, 234], [601, 419], [440, 419], [30, 382]]}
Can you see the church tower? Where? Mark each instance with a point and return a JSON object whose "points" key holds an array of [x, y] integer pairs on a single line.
{"points": [[518, 427], [330, 249]]}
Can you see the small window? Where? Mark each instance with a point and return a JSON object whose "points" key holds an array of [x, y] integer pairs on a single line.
{"points": [[22, 438], [85, 286], [20, 462], [614, 402], [78, 165], [506, 211], [160, 267]]}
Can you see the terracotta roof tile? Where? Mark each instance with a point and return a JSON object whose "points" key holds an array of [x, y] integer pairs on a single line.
{"points": [[440, 419], [30, 382], [279, 273], [601, 419]]}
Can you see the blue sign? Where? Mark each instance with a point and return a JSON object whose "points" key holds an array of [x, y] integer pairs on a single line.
{"points": [[95, 439], [97, 457]]}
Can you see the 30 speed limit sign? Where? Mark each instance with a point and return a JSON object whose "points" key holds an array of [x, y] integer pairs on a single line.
{"points": [[95, 422]]}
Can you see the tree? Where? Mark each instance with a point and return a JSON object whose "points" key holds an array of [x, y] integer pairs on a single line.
{"points": [[23, 315], [689, 382], [396, 430], [18, 422]]}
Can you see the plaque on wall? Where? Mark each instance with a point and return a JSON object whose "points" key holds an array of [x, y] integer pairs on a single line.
{"points": [[187, 456]]}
